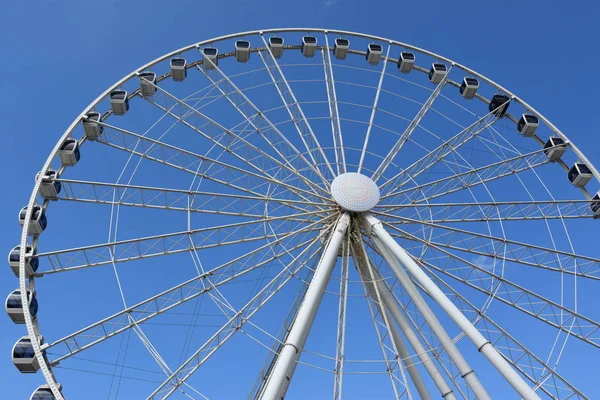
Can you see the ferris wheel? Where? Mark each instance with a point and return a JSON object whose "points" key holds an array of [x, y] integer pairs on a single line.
{"points": [[308, 213]]}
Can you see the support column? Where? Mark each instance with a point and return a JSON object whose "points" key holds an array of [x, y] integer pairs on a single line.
{"points": [[393, 252], [367, 273], [283, 370], [389, 302]]}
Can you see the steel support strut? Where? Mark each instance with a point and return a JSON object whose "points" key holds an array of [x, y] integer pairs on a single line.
{"points": [[387, 300], [393, 253], [283, 371], [370, 280]]}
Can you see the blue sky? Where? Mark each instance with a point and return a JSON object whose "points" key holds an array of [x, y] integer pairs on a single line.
{"points": [[58, 56]]}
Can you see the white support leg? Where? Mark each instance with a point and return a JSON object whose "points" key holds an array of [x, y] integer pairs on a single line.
{"points": [[388, 301], [465, 369], [393, 252], [370, 278], [282, 373]]}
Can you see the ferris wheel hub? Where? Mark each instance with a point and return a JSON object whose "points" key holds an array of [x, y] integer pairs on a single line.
{"points": [[355, 192]]}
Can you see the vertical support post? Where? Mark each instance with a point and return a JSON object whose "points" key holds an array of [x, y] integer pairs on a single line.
{"points": [[393, 253], [283, 371]]}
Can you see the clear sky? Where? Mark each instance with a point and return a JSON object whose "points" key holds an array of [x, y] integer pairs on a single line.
{"points": [[59, 55]]}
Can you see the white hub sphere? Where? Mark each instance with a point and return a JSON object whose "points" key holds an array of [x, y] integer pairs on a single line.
{"points": [[355, 192]]}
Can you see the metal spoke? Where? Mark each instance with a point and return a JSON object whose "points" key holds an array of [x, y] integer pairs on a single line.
{"points": [[310, 141], [196, 164], [228, 140], [170, 243], [153, 306], [510, 250], [175, 199], [389, 158], [374, 108], [439, 153], [512, 294], [217, 340], [494, 211], [336, 129], [528, 364], [467, 179], [260, 122]]}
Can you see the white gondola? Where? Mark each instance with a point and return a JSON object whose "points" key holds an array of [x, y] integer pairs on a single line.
{"points": [[242, 50], [469, 87], [580, 174], [340, 48], [210, 54], [276, 46], [49, 187], [406, 62], [499, 104], [43, 392], [309, 46], [147, 83], [31, 261], [437, 72], [119, 102], [527, 125], [23, 355], [91, 127], [595, 204], [554, 148], [69, 152], [374, 51], [38, 221], [178, 69], [14, 306]]}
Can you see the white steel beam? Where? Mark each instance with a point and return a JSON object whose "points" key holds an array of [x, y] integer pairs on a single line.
{"points": [[390, 247], [370, 280], [387, 300], [286, 362]]}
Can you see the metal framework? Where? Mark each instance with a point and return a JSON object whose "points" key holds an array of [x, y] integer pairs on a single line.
{"points": [[260, 202]]}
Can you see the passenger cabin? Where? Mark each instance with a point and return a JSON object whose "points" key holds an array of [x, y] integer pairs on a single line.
{"points": [[49, 187], [242, 51], [210, 57], [69, 152], [527, 125], [499, 104], [580, 174], [44, 392], [595, 204], [276, 46], [374, 51], [147, 83], [14, 306], [38, 221], [178, 69], [554, 148], [437, 72], [91, 126], [340, 48], [119, 102], [406, 62], [309, 46], [468, 88], [23, 355], [31, 261]]}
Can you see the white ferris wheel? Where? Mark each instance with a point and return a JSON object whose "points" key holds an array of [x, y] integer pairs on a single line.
{"points": [[308, 213]]}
